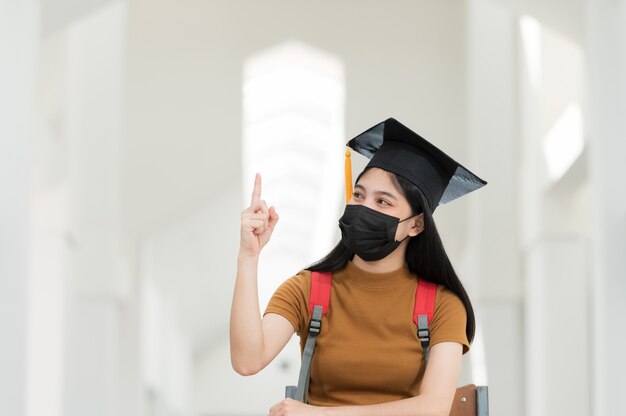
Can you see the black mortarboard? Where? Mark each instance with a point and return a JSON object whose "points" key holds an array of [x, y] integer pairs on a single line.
{"points": [[395, 148]]}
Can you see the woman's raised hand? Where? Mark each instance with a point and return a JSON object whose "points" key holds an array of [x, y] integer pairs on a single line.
{"points": [[257, 223]]}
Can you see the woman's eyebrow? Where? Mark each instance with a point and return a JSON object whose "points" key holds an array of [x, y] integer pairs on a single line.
{"points": [[392, 196], [377, 192]]}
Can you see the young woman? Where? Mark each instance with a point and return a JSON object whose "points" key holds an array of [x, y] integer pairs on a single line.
{"points": [[368, 359]]}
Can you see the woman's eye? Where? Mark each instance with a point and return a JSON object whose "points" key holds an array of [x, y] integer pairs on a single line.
{"points": [[356, 195], [383, 202]]}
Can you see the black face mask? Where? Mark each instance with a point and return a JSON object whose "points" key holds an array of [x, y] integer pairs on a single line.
{"points": [[369, 234]]}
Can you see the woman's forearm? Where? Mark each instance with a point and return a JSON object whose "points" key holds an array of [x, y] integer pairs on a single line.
{"points": [[414, 406], [422, 405], [246, 330]]}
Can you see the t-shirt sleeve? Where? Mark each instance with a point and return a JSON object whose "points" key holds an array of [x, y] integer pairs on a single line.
{"points": [[449, 320], [291, 300]]}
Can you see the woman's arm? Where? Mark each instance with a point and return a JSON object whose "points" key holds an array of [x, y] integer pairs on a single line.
{"points": [[434, 399], [254, 342]]}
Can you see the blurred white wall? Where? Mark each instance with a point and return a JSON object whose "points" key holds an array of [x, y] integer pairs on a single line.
{"points": [[19, 46], [606, 89], [120, 218]]}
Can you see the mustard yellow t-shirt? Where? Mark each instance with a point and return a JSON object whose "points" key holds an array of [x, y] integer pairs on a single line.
{"points": [[368, 351]]}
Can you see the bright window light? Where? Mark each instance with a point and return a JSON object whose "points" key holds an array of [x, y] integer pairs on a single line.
{"points": [[531, 43], [564, 142], [293, 112]]}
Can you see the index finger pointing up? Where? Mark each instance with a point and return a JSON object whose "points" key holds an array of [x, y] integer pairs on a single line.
{"points": [[256, 191]]}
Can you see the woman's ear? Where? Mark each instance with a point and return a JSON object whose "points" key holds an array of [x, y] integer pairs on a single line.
{"points": [[417, 225]]}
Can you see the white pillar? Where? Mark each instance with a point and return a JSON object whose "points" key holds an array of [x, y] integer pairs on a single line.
{"points": [[606, 51], [19, 25], [490, 263], [554, 222], [101, 363]]}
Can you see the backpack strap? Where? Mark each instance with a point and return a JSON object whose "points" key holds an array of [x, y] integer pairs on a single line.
{"points": [[423, 312], [319, 300], [321, 283]]}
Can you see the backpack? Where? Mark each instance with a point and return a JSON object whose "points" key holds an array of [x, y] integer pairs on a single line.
{"points": [[319, 300]]}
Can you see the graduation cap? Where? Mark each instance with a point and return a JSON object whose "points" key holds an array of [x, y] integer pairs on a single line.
{"points": [[395, 148]]}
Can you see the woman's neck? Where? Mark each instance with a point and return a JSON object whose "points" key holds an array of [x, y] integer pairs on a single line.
{"points": [[393, 261]]}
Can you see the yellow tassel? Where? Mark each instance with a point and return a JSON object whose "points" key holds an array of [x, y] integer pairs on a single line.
{"points": [[348, 173]]}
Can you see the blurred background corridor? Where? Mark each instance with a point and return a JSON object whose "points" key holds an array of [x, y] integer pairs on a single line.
{"points": [[130, 132]]}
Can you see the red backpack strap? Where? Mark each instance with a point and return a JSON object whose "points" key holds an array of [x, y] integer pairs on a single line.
{"points": [[424, 300], [320, 291], [423, 312]]}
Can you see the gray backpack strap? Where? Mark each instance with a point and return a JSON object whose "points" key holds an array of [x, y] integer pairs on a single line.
{"points": [[423, 333], [315, 325], [319, 300], [290, 392], [300, 393]]}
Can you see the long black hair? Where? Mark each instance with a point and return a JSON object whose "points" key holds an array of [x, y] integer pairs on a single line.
{"points": [[425, 254]]}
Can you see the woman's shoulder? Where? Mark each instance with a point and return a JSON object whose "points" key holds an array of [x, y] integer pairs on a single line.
{"points": [[450, 318], [447, 296], [444, 291], [291, 299], [301, 281], [447, 301], [303, 274]]}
